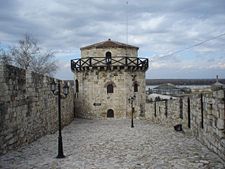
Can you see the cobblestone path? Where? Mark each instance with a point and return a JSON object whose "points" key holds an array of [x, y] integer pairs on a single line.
{"points": [[110, 144]]}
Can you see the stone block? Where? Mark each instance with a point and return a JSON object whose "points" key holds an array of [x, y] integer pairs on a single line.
{"points": [[220, 133], [7, 116], [218, 94], [2, 78], [15, 114], [9, 136], [221, 115], [220, 124], [12, 141], [215, 112], [222, 143], [1, 67], [221, 105], [210, 101]]}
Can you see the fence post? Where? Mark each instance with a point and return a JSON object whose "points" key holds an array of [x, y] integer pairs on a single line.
{"points": [[202, 122], [181, 108], [166, 108], [189, 113]]}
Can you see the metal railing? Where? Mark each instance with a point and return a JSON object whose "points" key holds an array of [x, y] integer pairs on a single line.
{"points": [[101, 62]]}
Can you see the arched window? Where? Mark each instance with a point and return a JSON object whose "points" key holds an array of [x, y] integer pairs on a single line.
{"points": [[110, 88], [110, 113], [135, 87], [108, 58], [76, 86]]}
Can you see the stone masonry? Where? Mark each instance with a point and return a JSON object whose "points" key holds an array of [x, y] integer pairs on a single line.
{"points": [[93, 91], [201, 115], [28, 109], [113, 144]]}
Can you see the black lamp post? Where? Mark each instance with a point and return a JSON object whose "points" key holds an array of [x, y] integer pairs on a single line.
{"points": [[131, 100], [58, 93]]}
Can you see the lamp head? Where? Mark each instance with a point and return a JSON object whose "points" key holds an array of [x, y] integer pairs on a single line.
{"points": [[66, 89], [53, 86]]}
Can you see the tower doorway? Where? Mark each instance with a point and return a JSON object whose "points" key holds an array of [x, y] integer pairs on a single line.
{"points": [[110, 113]]}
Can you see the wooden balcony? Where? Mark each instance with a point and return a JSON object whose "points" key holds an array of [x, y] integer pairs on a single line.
{"points": [[101, 63]]}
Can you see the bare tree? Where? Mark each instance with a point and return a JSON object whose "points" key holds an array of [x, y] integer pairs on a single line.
{"points": [[28, 55], [42, 63], [5, 58]]}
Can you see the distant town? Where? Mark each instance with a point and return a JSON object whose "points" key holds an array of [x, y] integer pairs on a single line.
{"points": [[158, 89], [183, 81]]}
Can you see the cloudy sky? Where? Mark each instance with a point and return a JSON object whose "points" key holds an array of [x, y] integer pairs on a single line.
{"points": [[159, 27]]}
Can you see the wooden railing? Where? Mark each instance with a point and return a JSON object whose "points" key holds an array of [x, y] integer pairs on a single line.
{"points": [[115, 62]]}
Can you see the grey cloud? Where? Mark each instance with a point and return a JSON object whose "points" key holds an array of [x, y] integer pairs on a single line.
{"points": [[158, 27]]}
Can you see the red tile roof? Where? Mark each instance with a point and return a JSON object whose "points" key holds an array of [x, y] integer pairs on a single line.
{"points": [[109, 44]]}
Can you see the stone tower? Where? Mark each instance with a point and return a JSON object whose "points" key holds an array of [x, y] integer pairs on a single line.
{"points": [[106, 76]]}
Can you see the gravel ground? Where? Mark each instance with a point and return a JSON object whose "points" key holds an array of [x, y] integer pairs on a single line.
{"points": [[108, 144]]}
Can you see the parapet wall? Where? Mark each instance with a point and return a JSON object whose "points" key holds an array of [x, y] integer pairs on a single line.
{"points": [[201, 115], [28, 109]]}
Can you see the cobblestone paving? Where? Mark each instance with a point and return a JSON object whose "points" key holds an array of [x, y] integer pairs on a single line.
{"points": [[109, 144]]}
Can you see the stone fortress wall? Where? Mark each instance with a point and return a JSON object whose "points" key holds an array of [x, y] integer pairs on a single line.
{"points": [[28, 109], [201, 115]]}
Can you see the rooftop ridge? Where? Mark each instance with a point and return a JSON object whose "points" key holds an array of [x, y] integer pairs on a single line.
{"points": [[109, 43]]}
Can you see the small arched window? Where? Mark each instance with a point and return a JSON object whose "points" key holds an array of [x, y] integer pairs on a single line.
{"points": [[109, 88], [135, 87], [76, 86], [108, 58]]}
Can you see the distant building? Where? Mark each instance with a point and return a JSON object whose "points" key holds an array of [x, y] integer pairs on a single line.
{"points": [[217, 85], [170, 89]]}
